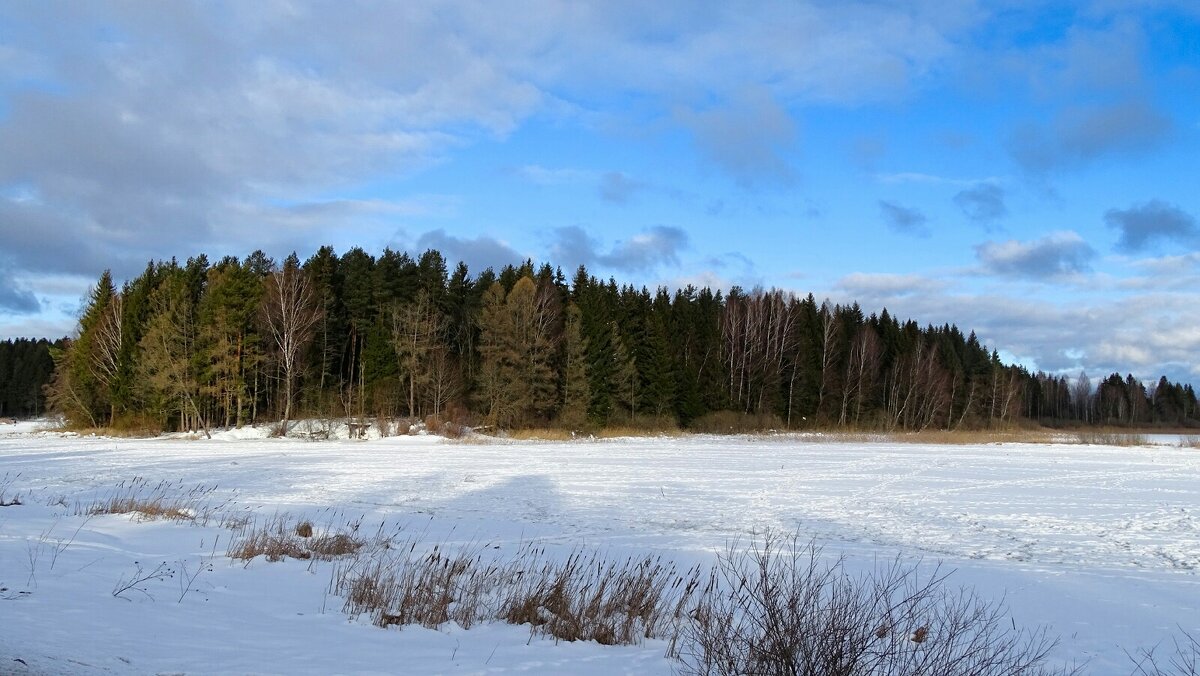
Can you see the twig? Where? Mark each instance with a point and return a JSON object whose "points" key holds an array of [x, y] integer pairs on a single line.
{"points": [[160, 572]]}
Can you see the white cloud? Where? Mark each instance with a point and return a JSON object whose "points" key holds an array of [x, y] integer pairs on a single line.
{"points": [[1055, 256]]}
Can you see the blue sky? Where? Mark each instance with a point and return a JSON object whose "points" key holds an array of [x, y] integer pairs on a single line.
{"points": [[1027, 170]]}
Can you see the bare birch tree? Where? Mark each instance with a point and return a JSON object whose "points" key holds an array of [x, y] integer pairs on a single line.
{"points": [[290, 314], [861, 370]]}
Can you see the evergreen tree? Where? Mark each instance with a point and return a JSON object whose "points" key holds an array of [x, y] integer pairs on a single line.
{"points": [[85, 368], [167, 352], [577, 390], [517, 346], [625, 383]]}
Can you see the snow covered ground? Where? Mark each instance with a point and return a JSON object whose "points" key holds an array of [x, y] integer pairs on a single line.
{"points": [[1100, 543]]}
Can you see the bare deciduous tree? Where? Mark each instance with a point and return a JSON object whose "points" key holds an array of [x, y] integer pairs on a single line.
{"points": [[861, 371], [829, 329], [290, 314]]}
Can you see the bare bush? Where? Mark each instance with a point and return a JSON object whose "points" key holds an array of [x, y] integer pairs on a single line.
{"points": [[778, 608], [1183, 661], [316, 429], [453, 430], [387, 425]]}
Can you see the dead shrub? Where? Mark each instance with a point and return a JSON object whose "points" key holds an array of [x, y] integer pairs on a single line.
{"points": [[1184, 660], [453, 430], [388, 425], [316, 429], [777, 608]]}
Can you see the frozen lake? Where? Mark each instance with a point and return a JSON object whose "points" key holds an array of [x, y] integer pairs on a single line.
{"points": [[1100, 543]]}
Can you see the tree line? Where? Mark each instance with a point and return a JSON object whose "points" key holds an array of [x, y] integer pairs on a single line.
{"points": [[25, 368], [201, 344]]}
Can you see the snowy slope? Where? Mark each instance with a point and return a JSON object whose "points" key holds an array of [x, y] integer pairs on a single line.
{"points": [[1101, 543]]}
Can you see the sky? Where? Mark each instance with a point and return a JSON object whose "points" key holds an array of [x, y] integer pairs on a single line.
{"points": [[1026, 170]]}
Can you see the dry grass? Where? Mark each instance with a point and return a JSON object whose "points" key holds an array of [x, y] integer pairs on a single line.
{"points": [[1111, 438], [662, 428], [403, 587], [964, 437], [582, 598], [772, 608], [541, 434], [588, 598], [164, 500], [8, 497], [735, 422], [280, 538], [641, 426], [1189, 442]]}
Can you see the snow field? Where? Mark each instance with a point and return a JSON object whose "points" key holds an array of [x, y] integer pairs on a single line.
{"points": [[1100, 543]]}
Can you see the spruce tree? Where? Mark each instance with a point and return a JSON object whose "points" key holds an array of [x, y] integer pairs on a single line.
{"points": [[577, 391]]}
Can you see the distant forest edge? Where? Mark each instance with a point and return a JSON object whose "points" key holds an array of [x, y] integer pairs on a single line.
{"points": [[25, 368], [201, 345]]}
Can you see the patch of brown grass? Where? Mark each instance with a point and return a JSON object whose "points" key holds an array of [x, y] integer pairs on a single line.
{"points": [[584, 597], [540, 434], [1111, 438], [279, 538], [640, 426], [164, 500], [736, 422], [963, 437]]}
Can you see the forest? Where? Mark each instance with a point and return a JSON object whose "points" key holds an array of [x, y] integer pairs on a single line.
{"points": [[25, 368], [201, 344]]}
